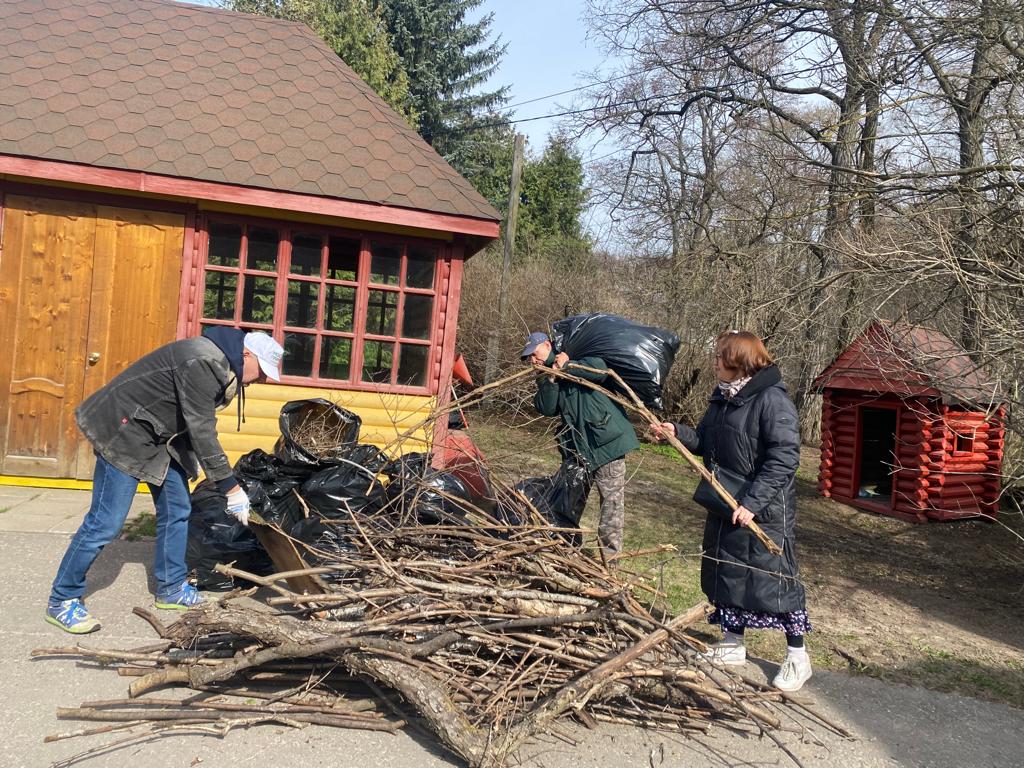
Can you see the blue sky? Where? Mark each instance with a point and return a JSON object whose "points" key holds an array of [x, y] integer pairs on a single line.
{"points": [[547, 51]]}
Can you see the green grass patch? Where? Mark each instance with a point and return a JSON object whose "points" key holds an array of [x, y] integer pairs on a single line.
{"points": [[661, 450], [143, 526]]}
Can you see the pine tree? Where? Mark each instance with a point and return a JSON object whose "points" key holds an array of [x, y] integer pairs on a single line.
{"points": [[447, 60], [355, 30]]}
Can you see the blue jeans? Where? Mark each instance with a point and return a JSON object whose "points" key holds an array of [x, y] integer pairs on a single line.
{"points": [[112, 495]]}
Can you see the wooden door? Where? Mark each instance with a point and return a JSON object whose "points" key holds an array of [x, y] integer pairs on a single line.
{"points": [[84, 290], [134, 300]]}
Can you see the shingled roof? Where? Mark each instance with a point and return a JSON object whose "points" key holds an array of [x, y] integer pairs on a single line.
{"points": [[905, 359], [207, 94]]}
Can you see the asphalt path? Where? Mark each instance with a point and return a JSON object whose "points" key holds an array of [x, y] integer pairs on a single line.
{"points": [[893, 725]]}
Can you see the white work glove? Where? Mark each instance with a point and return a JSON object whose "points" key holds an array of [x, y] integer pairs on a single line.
{"points": [[238, 505]]}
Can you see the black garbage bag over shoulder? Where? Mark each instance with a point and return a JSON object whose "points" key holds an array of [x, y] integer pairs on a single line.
{"points": [[435, 497], [642, 355], [313, 430], [216, 537]]}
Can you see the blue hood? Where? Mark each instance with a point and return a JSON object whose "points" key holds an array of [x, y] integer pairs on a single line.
{"points": [[231, 343]]}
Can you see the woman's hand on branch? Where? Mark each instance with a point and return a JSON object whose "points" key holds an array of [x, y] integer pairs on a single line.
{"points": [[742, 516], [659, 433]]}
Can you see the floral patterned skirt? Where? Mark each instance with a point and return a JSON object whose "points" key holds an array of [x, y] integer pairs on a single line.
{"points": [[793, 623]]}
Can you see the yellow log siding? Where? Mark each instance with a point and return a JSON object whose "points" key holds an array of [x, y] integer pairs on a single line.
{"points": [[385, 416]]}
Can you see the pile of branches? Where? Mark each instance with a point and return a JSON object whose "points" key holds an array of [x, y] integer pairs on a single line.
{"points": [[484, 636], [483, 633]]}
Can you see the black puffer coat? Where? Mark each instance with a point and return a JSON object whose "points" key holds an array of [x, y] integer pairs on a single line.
{"points": [[755, 434]]}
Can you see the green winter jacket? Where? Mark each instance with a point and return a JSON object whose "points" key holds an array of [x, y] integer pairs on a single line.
{"points": [[593, 426]]}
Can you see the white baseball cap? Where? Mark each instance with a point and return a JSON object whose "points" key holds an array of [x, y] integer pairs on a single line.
{"points": [[267, 351]]}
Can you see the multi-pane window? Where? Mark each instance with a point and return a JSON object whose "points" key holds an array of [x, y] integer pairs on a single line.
{"points": [[355, 309]]}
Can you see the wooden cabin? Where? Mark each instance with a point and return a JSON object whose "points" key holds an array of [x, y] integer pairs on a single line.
{"points": [[910, 427], [166, 167]]}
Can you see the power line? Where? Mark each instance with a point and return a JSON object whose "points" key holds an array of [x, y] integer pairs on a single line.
{"points": [[666, 65], [566, 113], [574, 90]]}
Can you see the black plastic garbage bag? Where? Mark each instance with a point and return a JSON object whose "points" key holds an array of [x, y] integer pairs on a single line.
{"points": [[348, 486], [216, 537], [642, 355], [436, 497], [270, 483], [368, 456], [559, 499], [411, 465], [313, 430]]}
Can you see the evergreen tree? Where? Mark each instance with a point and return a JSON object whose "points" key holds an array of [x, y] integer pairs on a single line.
{"points": [[355, 30], [554, 198], [447, 60]]}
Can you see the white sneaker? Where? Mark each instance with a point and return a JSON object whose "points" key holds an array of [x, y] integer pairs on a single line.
{"points": [[726, 654], [793, 674]]}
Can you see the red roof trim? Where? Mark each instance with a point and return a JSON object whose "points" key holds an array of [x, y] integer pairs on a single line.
{"points": [[137, 181]]}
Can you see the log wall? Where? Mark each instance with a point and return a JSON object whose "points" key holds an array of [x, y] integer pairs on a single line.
{"points": [[948, 460]]}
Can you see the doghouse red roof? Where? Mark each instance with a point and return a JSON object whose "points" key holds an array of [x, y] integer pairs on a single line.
{"points": [[206, 94], [906, 359]]}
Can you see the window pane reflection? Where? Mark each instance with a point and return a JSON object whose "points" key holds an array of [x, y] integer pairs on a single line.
{"points": [[377, 360], [420, 271], [385, 262], [416, 316], [343, 259], [258, 299], [302, 303], [225, 245], [262, 249], [340, 308], [219, 298], [306, 255], [335, 357], [381, 311], [412, 365], [298, 354]]}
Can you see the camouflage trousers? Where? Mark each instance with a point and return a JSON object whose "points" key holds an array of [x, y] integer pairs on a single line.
{"points": [[611, 486]]}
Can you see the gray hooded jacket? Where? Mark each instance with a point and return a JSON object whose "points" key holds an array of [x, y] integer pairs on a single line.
{"points": [[163, 407]]}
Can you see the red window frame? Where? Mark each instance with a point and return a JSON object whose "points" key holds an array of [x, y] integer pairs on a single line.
{"points": [[362, 285]]}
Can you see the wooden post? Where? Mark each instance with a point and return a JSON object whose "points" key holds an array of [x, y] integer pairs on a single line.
{"points": [[506, 265]]}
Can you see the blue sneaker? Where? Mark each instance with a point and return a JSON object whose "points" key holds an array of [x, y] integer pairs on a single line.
{"points": [[72, 616], [181, 599]]}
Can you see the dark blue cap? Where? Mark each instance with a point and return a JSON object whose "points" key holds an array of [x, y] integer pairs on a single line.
{"points": [[534, 340]]}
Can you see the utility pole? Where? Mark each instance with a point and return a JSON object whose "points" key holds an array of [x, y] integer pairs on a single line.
{"points": [[506, 265]]}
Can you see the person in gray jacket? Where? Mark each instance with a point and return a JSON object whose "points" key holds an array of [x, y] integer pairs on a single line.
{"points": [[155, 422]]}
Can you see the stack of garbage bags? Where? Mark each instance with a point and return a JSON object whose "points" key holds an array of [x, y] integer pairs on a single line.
{"points": [[347, 483]]}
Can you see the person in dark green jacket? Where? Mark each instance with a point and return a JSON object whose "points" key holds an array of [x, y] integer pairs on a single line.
{"points": [[595, 431]]}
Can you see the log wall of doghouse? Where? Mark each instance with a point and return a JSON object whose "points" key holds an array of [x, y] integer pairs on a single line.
{"points": [[945, 463]]}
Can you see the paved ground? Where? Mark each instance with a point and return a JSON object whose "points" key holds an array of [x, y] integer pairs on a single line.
{"points": [[895, 725]]}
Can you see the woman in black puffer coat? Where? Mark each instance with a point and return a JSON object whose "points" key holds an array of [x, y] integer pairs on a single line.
{"points": [[751, 428]]}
